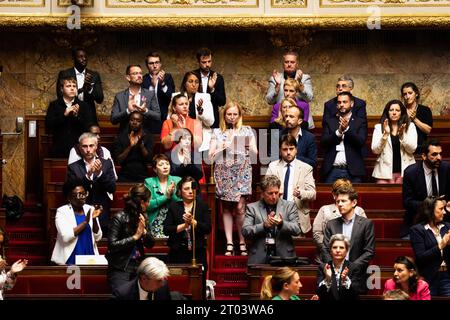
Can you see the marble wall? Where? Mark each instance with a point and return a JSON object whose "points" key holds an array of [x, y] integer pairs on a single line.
{"points": [[379, 61]]}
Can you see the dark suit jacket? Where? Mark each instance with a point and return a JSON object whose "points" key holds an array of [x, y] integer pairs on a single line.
{"points": [[362, 242], [354, 141], [306, 147], [66, 130], [218, 97], [164, 98], [428, 255], [120, 105], [339, 292], [90, 98], [99, 186], [130, 291], [330, 109], [415, 190], [178, 241]]}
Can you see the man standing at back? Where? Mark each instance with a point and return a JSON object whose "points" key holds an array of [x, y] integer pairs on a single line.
{"points": [[161, 83], [89, 84], [211, 82], [135, 98]]}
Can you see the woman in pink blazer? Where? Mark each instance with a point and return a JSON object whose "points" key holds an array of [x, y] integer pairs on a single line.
{"points": [[407, 279]]}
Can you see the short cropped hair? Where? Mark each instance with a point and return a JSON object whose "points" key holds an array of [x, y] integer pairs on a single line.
{"points": [[347, 78], [152, 54], [288, 140], [340, 237], [159, 157], [270, 181], [127, 71], [88, 135], [346, 93], [430, 142], [153, 268], [203, 52], [352, 194], [66, 79]]}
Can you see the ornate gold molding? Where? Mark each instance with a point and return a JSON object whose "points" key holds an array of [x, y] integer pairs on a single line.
{"points": [[236, 22], [22, 3], [129, 4], [80, 3], [382, 3]]}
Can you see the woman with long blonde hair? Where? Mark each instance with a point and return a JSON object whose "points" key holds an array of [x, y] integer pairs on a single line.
{"points": [[231, 148], [284, 284]]}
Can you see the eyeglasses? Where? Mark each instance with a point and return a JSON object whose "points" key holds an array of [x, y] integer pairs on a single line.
{"points": [[154, 63], [81, 195], [343, 86]]}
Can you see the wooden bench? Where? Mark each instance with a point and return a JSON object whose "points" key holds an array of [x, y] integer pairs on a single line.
{"points": [[52, 282]]}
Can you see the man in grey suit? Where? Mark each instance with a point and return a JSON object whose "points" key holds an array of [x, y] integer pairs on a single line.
{"points": [[359, 230], [270, 224], [297, 180], [290, 70], [135, 98]]}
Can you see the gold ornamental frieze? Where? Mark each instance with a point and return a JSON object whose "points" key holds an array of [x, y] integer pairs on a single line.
{"points": [[81, 3], [22, 3], [181, 3], [383, 3]]}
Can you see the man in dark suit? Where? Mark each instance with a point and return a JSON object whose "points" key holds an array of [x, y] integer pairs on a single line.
{"points": [[344, 84], [360, 231], [418, 182], [89, 84], [160, 82], [97, 175], [343, 139], [306, 144], [135, 98], [150, 283], [211, 82], [67, 118]]}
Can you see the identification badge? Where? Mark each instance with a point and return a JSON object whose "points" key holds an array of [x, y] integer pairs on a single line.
{"points": [[270, 241]]}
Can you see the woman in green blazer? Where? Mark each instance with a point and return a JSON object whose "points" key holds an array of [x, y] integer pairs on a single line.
{"points": [[162, 188]]}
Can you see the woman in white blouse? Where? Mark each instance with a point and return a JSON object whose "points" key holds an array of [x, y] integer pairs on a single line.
{"points": [[200, 106], [394, 140]]}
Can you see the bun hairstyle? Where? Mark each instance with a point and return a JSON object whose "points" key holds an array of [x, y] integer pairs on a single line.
{"points": [[136, 194]]}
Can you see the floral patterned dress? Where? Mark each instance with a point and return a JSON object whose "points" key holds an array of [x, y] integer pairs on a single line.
{"points": [[233, 170]]}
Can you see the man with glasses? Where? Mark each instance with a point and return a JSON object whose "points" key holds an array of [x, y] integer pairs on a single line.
{"points": [[161, 83], [344, 84], [96, 174], [135, 98]]}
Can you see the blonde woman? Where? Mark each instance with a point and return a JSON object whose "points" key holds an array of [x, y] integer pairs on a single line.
{"points": [[232, 146], [284, 284]]}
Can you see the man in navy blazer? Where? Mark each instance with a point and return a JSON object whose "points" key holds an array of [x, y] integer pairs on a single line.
{"points": [[89, 84], [343, 139], [417, 182], [359, 230], [135, 98], [150, 283], [160, 82], [210, 82], [306, 144], [345, 83], [97, 175]]}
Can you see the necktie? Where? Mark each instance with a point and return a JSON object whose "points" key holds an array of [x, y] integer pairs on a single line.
{"points": [[286, 181], [434, 184]]}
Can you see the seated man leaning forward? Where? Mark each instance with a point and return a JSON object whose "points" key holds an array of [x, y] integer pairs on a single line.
{"points": [[270, 224]]}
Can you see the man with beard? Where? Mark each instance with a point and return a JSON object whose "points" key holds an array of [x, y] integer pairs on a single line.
{"points": [[211, 82], [133, 150], [429, 177], [306, 145], [161, 83], [343, 139], [137, 99], [89, 84]]}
